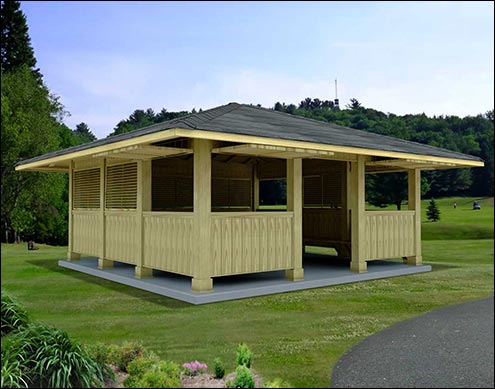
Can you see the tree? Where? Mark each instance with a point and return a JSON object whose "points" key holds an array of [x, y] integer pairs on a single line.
{"points": [[83, 134], [432, 212], [141, 118], [390, 188], [354, 104], [138, 119], [32, 202], [16, 47]]}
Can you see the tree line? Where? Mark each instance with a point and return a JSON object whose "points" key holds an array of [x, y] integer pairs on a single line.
{"points": [[34, 205]]}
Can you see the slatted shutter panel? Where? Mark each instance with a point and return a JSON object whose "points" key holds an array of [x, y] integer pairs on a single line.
{"points": [[184, 192], [163, 193], [332, 190], [312, 191], [219, 192], [230, 193], [240, 193], [86, 189], [121, 186]]}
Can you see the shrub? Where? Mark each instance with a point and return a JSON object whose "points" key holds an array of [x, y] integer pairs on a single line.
{"points": [[219, 368], [100, 352], [126, 353], [165, 374], [14, 316], [244, 355], [277, 383], [149, 372], [103, 355], [194, 368], [50, 359], [137, 368], [243, 378]]}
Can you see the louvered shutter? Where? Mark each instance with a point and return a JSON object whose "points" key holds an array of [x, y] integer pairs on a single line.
{"points": [[312, 191], [121, 186], [86, 189], [332, 190]]}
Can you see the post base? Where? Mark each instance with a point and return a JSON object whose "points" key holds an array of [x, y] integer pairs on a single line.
{"points": [[294, 274], [202, 285], [359, 267], [143, 272], [104, 264], [71, 256], [414, 260]]}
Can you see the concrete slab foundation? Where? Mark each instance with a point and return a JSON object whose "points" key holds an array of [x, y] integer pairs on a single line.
{"points": [[319, 271]]}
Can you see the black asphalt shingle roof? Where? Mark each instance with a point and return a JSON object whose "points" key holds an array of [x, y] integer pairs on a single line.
{"points": [[244, 119]]}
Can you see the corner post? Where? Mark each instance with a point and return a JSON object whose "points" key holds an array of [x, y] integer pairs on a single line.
{"points": [[294, 205], [358, 216], [71, 255], [414, 204], [143, 205], [202, 281]]}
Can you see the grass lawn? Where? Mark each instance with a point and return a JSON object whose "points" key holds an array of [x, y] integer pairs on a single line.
{"points": [[297, 336]]}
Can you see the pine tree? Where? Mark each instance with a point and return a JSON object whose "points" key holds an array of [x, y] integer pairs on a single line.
{"points": [[432, 212], [16, 47], [83, 134]]}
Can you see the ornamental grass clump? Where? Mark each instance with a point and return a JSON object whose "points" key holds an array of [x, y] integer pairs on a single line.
{"points": [[194, 368], [48, 358], [13, 375], [14, 316]]}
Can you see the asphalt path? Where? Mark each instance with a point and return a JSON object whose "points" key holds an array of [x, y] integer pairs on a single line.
{"points": [[450, 347]]}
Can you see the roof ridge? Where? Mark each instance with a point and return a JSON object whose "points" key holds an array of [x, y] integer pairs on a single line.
{"points": [[195, 119]]}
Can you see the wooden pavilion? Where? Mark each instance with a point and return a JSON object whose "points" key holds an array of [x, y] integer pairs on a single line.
{"points": [[182, 196]]}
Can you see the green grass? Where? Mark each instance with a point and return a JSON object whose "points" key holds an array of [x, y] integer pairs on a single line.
{"points": [[296, 336], [460, 223]]}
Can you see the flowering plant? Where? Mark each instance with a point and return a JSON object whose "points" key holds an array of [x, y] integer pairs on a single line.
{"points": [[194, 368]]}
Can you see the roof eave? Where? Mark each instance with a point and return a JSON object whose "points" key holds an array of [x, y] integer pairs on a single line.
{"points": [[53, 163]]}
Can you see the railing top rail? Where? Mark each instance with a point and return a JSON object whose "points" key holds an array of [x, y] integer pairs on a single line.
{"points": [[389, 213]]}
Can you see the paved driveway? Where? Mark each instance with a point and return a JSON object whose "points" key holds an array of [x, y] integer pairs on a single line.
{"points": [[451, 347]]}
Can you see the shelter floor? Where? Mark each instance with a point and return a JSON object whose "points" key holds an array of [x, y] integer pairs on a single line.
{"points": [[319, 271]]}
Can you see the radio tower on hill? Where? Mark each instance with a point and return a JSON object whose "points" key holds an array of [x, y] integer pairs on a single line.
{"points": [[336, 101]]}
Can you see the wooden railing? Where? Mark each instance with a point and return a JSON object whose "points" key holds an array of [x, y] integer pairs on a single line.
{"points": [[389, 234], [121, 236], [87, 232], [248, 242], [168, 241]]}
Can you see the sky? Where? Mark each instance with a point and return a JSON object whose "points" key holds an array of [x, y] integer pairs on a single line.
{"points": [[106, 59]]}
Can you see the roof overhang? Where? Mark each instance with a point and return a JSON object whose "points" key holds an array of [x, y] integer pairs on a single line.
{"points": [[141, 148]]}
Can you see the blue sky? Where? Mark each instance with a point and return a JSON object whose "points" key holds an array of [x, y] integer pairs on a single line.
{"points": [[106, 59]]}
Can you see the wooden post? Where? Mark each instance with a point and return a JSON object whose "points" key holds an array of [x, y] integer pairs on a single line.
{"points": [[357, 200], [344, 249], [143, 204], [414, 204], [256, 188], [294, 205], [102, 262], [202, 281], [71, 256]]}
